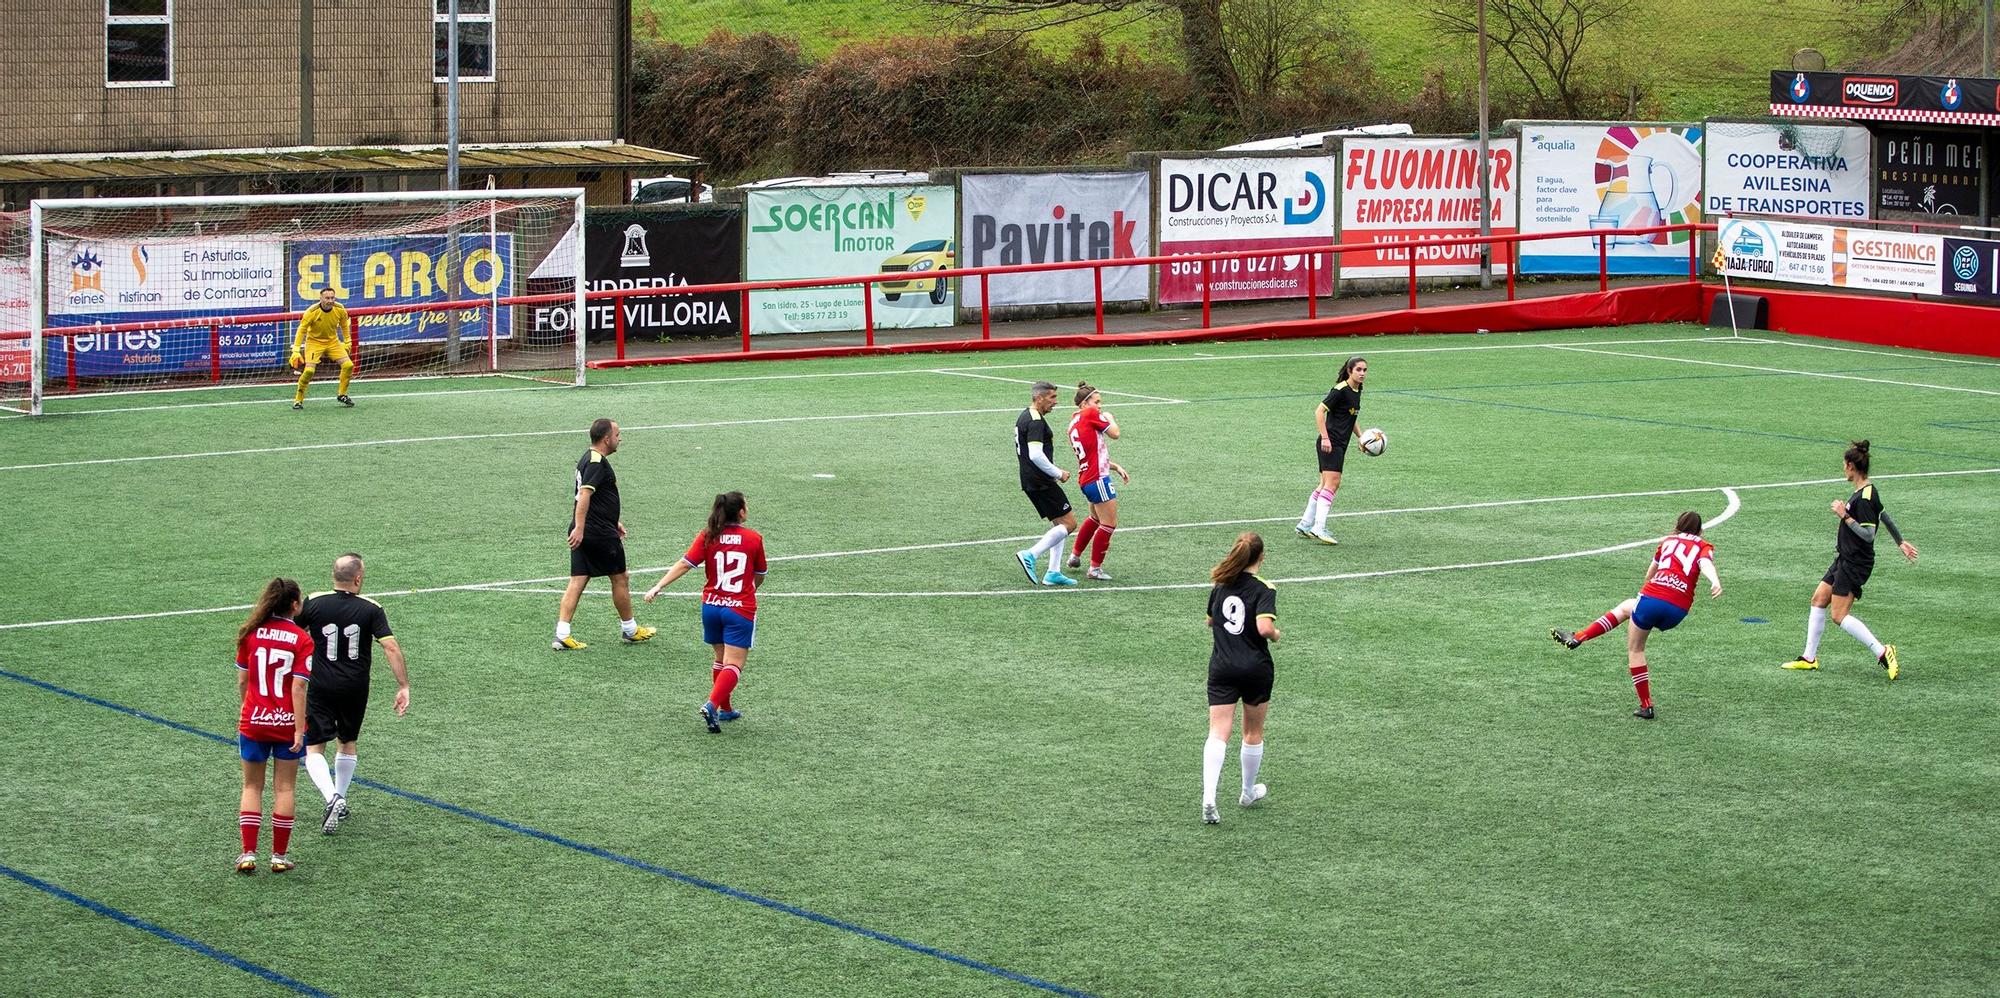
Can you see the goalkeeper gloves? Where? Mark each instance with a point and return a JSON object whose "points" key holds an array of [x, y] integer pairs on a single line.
{"points": [[297, 361]]}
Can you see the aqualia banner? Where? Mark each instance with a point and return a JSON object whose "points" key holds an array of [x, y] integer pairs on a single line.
{"points": [[805, 232], [409, 270], [1415, 189], [92, 283], [1016, 218], [1609, 176], [1817, 171], [1225, 205]]}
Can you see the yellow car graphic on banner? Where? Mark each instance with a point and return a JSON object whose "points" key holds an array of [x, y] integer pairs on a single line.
{"points": [[934, 254]]}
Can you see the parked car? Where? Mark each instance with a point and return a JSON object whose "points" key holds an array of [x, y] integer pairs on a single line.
{"points": [[661, 190], [934, 254]]}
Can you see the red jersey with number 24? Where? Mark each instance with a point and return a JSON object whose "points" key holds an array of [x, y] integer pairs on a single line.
{"points": [[733, 562], [272, 654], [1676, 565], [1093, 452]]}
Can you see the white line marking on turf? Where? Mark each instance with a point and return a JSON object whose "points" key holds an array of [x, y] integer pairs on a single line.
{"points": [[1773, 370], [479, 586], [1904, 355], [1030, 381], [1284, 355]]}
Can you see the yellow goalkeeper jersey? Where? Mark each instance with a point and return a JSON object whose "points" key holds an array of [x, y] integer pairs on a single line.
{"points": [[322, 324]]}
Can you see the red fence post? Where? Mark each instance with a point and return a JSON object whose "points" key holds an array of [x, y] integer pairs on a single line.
{"points": [[1097, 295], [1413, 275], [868, 310], [1513, 264], [1312, 285], [618, 310], [69, 362], [1603, 266], [214, 352], [1207, 278], [353, 340], [985, 309], [743, 313], [1694, 256]]}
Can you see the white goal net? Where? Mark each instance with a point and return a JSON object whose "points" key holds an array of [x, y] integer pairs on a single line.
{"points": [[148, 294]]}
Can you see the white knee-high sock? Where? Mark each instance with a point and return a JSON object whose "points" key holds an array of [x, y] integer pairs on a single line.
{"points": [[1853, 626], [1815, 626], [322, 778], [1312, 508], [1253, 757], [1050, 541], [1319, 514], [1212, 754], [343, 772]]}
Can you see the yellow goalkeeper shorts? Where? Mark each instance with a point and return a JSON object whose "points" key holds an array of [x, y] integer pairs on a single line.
{"points": [[315, 349]]}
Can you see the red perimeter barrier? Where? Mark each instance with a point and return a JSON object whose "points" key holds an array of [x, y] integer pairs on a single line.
{"points": [[1890, 322]]}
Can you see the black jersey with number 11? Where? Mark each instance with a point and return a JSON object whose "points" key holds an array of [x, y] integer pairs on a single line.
{"points": [[344, 628]]}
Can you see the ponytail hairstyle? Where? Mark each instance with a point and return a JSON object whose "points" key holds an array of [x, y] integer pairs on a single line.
{"points": [[1348, 368], [1857, 455], [1084, 390], [1248, 551], [275, 601], [727, 512], [1688, 523]]}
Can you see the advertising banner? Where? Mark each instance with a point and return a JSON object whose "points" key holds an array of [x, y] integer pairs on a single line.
{"points": [[1404, 189], [807, 232], [1972, 268], [635, 250], [1609, 177], [93, 283], [1937, 100], [1928, 170], [1053, 218], [1888, 261], [1750, 171], [1225, 205], [15, 364], [409, 270], [1776, 251]]}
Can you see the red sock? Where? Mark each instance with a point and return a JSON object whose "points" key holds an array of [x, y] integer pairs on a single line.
{"points": [[251, 824], [1102, 545], [1643, 685], [725, 683], [1083, 536], [1598, 627], [281, 832]]}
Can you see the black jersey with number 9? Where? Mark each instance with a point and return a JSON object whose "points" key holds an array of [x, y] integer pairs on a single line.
{"points": [[1233, 611]]}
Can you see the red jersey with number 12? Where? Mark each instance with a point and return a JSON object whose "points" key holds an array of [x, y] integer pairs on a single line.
{"points": [[1093, 452], [733, 562], [1676, 564], [272, 654]]}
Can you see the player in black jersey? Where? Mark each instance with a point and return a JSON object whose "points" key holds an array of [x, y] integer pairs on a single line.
{"points": [[1243, 617], [1034, 449], [597, 540], [345, 627], [1337, 416], [1853, 562]]}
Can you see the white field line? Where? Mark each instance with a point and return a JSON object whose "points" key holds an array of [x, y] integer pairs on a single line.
{"points": [[1357, 350], [1030, 381], [477, 586], [1774, 370], [1907, 355], [1735, 503]]}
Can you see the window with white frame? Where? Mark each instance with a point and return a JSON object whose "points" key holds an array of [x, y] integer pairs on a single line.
{"points": [[475, 41], [139, 43]]}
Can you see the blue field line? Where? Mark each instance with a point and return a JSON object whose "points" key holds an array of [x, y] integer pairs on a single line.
{"points": [[567, 843], [1975, 425], [168, 934]]}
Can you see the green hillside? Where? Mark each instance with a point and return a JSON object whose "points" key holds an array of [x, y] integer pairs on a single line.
{"points": [[1697, 59]]}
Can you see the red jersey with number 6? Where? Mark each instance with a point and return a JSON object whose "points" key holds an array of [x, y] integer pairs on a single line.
{"points": [[1676, 564], [1093, 452], [733, 561], [272, 654]]}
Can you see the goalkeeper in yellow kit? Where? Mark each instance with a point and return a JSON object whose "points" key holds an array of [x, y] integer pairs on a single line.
{"points": [[322, 333]]}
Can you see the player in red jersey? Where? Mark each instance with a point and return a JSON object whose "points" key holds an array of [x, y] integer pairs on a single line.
{"points": [[1090, 433], [733, 556], [1662, 602], [273, 661]]}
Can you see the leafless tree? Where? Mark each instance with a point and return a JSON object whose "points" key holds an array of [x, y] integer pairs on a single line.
{"points": [[1542, 39], [1272, 42]]}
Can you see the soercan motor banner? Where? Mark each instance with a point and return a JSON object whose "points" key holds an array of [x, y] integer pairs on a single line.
{"points": [[1972, 268], [1224, 205], [1609, 176], [1933, 171], [1776, 251], [1017, 218], [1397, 189], [844, 232], [92, 283], [1912, 263], [626, 250], [1750, 171]]}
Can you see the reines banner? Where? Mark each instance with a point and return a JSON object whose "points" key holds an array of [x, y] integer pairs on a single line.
{"points": [[1400, 189], [806, 232], [1016, 218], [1224, 205]]}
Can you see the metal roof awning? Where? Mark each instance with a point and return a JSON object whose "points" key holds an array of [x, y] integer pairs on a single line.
{"points": [[1936, 100], [305, 161]]}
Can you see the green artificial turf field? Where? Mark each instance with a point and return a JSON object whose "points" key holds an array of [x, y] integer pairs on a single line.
{"points": [[947, 783]]}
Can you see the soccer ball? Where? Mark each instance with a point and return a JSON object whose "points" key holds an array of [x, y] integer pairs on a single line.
{"points": [[1374, 442]]}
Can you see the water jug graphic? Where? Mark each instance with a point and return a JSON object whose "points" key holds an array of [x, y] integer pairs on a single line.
{"points": [[1638, 205]]}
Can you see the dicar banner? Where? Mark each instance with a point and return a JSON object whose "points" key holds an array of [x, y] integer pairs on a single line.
{"points": [[1407, 189], [1225, 205], [805, 232], [1609, 176], [1017, 218], [1754, 169]]}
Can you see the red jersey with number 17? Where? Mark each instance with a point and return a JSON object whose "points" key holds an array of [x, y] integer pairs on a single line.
{"points": [[1676, 565], [1093, 451], [272, 654], [733, 562]]}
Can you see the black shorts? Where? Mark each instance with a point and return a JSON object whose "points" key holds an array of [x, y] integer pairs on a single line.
{"points": [[1252, 685], [1051, 503], [597, 556], [334, 714], [1846, 577], [1332, 460]]}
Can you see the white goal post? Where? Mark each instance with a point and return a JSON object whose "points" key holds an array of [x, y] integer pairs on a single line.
{"points": [[184, 293]]}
